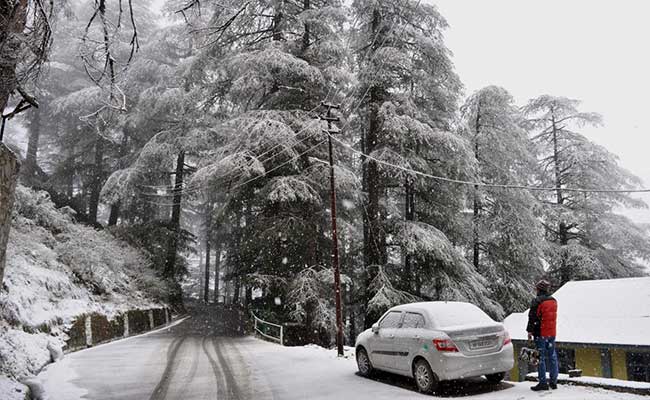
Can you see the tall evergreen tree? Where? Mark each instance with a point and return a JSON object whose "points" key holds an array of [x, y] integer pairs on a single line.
{"points": [[588, 239], [409, 94], [506, 235]]}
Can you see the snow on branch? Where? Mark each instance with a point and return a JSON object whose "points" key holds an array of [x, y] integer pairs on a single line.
{"points": [[291, 189], [231, 168], [311, 294], [386, 295]]}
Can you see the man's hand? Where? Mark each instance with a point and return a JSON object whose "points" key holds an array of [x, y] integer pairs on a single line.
{"points": [[530, 337]]}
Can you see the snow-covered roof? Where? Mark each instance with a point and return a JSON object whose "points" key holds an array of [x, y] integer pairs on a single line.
{"points": [[613, 311]]}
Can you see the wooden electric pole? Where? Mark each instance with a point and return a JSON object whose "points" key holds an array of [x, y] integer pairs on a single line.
{"points": [[331, 130]]}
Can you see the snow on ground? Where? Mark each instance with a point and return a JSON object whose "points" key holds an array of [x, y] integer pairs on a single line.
{"points": [[316, 373], [133, 368], [10, 389], [600, 381], [57, 270]]}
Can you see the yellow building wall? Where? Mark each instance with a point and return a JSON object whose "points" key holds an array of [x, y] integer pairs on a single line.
{"points": [[619, 364], [514, 372], [588, 360]]}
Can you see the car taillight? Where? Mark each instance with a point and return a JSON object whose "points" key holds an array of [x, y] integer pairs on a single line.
{"points": [[506, 338], [445, 345]]}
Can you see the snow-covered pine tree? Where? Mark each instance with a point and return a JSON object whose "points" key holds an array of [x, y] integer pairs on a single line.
{"points": [[506, 239], [408, 92], [265, 70], [588, 239]]}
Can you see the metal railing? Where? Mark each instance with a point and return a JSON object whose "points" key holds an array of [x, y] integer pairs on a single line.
{"points": [[263, 327]]}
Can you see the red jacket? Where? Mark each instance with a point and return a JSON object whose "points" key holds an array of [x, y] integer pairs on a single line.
{"points": [[542, 317]]}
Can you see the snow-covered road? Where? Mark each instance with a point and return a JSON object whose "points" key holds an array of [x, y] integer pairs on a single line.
{"points": [[187, 362]]}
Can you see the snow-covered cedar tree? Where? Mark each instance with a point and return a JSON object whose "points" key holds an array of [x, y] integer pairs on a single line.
{"points": [[311, 295], [264, 69], [588, 240], [410, 97], [506, 239]]}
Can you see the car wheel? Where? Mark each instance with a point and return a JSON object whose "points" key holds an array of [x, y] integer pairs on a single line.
{"points": [[496, 378], [425, 379], [363, 363]]}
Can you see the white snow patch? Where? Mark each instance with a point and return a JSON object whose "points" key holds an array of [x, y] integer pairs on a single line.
{"points": [[11, 390], [601, 381]]}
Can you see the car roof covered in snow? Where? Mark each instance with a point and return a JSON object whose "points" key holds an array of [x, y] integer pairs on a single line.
{"points": [[612, 311], [448, 313]]}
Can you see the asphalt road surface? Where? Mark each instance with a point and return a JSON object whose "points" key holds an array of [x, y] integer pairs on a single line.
{"points": [[193, 360]]}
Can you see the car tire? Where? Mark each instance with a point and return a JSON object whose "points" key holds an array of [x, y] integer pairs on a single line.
{"points": [[363, 363], [425, 379], [496, 378]]}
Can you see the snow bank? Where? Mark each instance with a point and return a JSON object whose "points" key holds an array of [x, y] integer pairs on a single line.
{"points": [[57, 270], [597, 381], [12, 390]]}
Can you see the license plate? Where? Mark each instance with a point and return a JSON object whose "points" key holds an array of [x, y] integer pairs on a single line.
{"points": [[481, 344]]}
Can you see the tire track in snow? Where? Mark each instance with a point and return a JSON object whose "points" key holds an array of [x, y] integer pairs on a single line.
{"points": [[233, 392], [194, 366], [221, 393], [161, 389]]}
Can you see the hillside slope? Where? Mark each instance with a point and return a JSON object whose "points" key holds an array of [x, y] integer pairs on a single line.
{"points": [[57, 270]]}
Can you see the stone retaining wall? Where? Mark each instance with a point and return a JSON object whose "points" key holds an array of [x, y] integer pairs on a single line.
{"points": [[91, 329]]}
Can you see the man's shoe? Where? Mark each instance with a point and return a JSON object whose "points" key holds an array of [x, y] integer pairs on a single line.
{"points": [[553, 385], [539, 387]]}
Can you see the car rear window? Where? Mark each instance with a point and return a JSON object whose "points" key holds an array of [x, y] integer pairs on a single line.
{"points": [[454, 314]]}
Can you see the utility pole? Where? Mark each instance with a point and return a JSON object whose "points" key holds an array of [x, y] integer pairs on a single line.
{"points": [[331, 130]]}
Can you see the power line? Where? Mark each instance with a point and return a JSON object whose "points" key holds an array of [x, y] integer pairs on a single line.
{"points": [[487, 185], [195, 188], [189, 189]]}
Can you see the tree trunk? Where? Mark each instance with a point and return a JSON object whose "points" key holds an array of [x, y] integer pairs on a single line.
{"points": [[9, 169], [375, 247], [29, 168], [477, 201], [175, 222], [565, 274], [217, 265], [96, 185], [409, 214], [306, 35], [12, 25], [206, 288], [115, 214], [208, 228]]}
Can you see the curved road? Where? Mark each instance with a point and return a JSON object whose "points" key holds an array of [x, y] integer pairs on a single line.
{"points": [[185, 361], [189, 361]]}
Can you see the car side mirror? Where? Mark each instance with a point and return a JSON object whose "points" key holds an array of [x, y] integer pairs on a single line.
{"points": [[375, 328]]}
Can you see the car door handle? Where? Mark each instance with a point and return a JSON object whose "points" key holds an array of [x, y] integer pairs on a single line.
{"points": [[416, 336], [391, 336]]}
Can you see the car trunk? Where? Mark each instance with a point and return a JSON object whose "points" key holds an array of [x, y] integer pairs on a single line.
{"points": [[476, 340]]}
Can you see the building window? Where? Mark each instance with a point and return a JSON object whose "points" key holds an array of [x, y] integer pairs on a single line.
{"points": [[638, 367], [567, 359]]}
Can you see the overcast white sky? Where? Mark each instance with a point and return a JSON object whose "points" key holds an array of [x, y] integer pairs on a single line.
{"points": [[593, 50]]}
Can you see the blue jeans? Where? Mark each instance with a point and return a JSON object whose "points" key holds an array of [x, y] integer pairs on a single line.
{"points": [[547, 351]]}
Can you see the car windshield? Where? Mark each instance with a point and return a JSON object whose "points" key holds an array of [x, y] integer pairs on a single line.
{"points": [[456, 314]]}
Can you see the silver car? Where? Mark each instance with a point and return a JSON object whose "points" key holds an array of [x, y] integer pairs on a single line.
{"points": [[436, 341]]}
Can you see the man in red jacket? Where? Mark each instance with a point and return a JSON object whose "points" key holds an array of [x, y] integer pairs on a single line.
{"points": [[542, 319]]}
